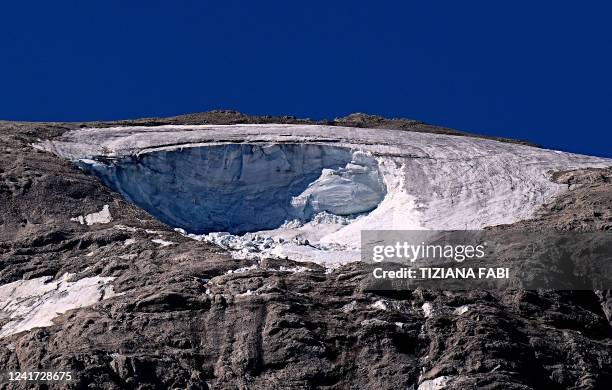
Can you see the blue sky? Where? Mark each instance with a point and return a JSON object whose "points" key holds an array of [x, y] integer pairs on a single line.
{"points": [[539, 71]]}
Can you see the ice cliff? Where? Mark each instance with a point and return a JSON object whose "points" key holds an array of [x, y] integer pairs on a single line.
{"points": [[242, 187]]}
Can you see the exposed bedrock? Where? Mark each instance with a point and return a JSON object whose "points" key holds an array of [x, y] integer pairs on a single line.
{"points": [[245, 187]]}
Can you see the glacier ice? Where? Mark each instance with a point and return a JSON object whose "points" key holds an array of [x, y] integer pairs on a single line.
{"points": [[308, 190], [354, 189], [245, 187]]}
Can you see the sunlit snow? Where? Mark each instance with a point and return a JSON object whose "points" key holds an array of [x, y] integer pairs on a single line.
{"points": [[34, 303]]}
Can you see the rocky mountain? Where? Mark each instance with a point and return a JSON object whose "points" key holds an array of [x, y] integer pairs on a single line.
{"points": [[114, 259]]}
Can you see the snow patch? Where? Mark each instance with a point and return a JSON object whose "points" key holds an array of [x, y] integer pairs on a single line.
{"points": [[245, 294], [461, 310], [373, 322], [428, 309], [162, 243], [349, 307], [102, 216], [438, 383], [380, 305], [242, 269], [34, 303], [293, 270], [126, 228]]}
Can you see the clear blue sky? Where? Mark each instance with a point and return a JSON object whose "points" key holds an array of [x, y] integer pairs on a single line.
{"points": [[535, 70]]}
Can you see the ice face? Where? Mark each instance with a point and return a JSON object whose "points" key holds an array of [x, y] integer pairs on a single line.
{"points": [[354, 189], [245, 187]]}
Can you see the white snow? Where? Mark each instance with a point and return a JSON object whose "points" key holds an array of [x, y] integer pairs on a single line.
{"points": [[428, 309], [126, 228], [461, 310], [245, 294], [163, 243], [242, 270], [102, 216], [349, 307], [373, 322], [36, 302], [380, 305], [301, 186], [293, 270], [438, 383]]}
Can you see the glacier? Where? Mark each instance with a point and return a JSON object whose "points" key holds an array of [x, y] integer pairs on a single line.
{"points": [[305, 192], [240, 188]]}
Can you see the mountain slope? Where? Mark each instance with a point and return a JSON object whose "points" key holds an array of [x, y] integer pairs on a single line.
{"points": [[180, 318]]}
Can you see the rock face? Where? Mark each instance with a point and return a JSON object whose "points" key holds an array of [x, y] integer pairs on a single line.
{"points": [[188, 315]]}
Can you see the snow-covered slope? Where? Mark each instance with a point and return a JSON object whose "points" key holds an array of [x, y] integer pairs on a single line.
{"points": [[328, 183], [33, 303]]}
